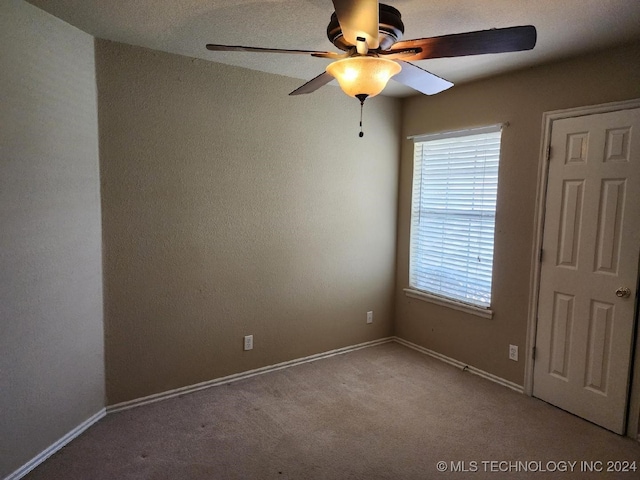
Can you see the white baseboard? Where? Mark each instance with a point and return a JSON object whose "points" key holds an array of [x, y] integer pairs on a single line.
{"points": [[42, 456], [461, 365], [38, 459], [138, 402]]}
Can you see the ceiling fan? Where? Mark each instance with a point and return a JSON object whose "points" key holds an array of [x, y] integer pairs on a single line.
{"points": [[369, 34]]}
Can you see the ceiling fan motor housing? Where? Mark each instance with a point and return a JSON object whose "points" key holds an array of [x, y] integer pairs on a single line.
{"points": [[390, 29]]}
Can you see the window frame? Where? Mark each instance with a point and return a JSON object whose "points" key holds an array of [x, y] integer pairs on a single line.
{"points": [[415, 292]]}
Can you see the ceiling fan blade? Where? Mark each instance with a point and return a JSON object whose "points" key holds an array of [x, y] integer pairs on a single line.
{"points": [[421, 80], [497, 40], [313, 84], [358, 18], [240, 48], [399, 54]]}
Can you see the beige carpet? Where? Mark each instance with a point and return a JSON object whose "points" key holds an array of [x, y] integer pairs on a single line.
{"points": [[384, 412]]}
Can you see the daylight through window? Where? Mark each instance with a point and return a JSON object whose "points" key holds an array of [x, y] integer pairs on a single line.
{"points": [[455, 184]]}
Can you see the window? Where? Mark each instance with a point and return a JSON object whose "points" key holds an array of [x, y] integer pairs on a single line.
{"points": [[455, 184]]}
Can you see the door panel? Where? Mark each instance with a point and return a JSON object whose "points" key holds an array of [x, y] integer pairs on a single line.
{"points": [[591, 244]]}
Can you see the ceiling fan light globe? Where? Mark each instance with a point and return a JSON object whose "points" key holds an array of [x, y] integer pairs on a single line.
{"points": [[363, 75]]}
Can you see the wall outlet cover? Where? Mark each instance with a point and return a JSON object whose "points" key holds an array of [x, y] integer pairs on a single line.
{"points": [[513, 353]]}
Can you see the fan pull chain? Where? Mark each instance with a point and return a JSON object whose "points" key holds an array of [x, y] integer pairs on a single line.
{"points": [[362, 97]]}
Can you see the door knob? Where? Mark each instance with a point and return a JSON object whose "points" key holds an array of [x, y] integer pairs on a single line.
{"points": [[623, 292]]}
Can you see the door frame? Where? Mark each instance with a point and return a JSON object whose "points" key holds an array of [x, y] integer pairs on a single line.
{"points": [[633, 410]]}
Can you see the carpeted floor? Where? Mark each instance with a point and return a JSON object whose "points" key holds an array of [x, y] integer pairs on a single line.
{"points": [[384, 412]]}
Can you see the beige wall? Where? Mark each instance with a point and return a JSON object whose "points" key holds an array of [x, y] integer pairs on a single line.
{"points": [[51, 330], [519, 99], [230, 208]]}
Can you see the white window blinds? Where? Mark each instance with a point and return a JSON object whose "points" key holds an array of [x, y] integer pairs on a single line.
{"points": [[455, 184]]}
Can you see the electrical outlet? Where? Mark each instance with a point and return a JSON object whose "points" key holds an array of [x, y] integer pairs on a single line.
{"points": [[370, 317], [513, 353], [248, 342]]}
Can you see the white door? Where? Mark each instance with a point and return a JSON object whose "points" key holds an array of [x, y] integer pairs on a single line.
{"points": [[589, 270]]}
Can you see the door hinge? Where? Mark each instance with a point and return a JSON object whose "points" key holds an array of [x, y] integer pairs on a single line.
{"points": [[541, 255], [548, 153], [533, 353]]}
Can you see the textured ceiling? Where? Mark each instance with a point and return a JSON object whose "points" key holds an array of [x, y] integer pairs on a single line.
{"points": [[565, 28]]}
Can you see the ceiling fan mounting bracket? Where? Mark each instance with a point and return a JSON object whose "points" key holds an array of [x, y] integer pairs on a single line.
{"points": [[390, 29]]}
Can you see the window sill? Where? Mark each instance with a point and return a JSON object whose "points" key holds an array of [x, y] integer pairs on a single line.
{"points": [[445, 302]]}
